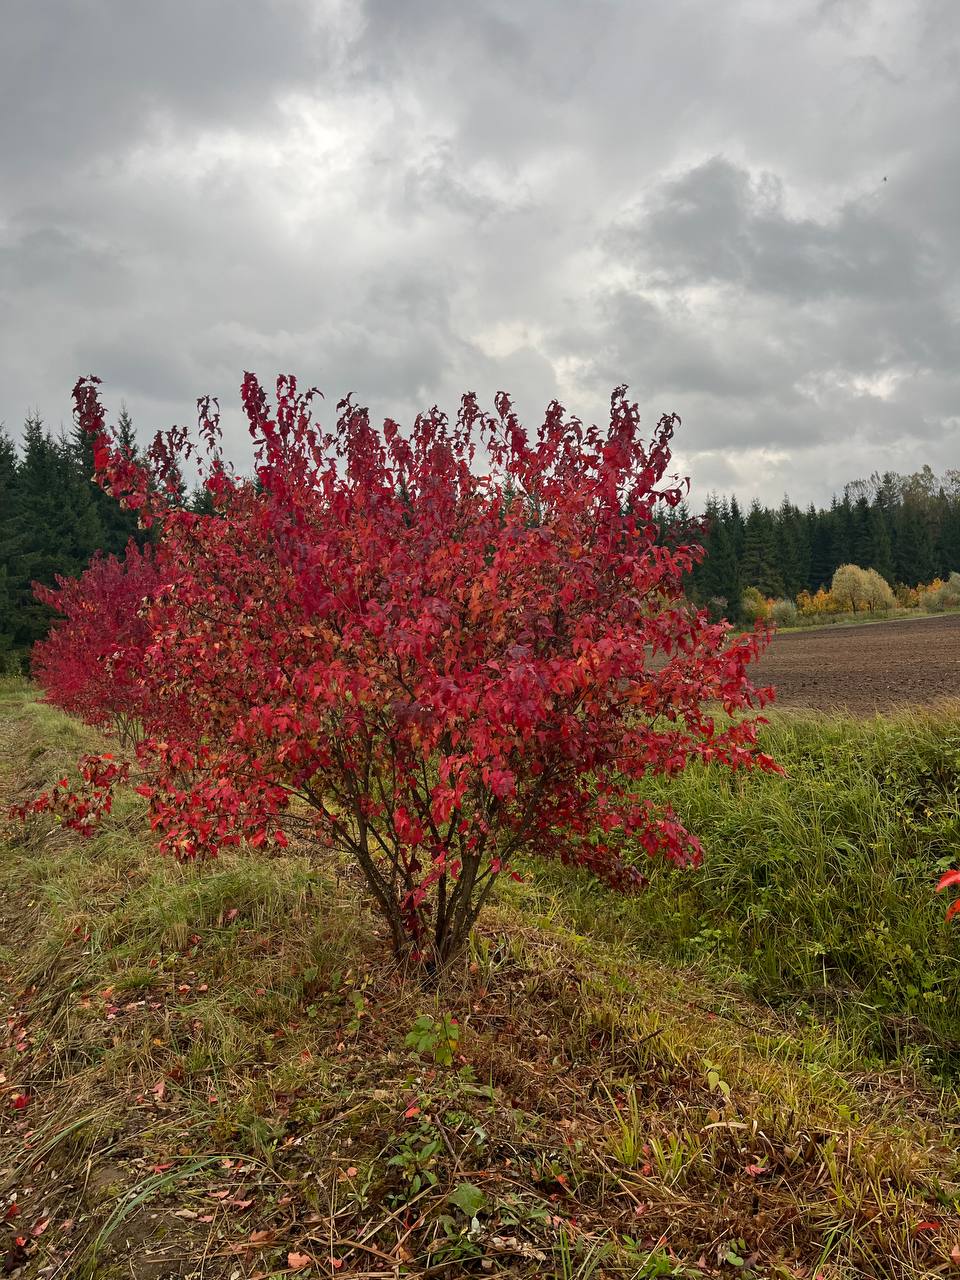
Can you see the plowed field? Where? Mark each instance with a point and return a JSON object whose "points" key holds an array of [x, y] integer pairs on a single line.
{"points": [[865, 669]]}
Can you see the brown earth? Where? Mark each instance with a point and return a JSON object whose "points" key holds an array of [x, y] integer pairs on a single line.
{"points": [[868, 668]]}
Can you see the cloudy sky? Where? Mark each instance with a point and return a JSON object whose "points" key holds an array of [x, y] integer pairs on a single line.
{"points": [[748, 210]]}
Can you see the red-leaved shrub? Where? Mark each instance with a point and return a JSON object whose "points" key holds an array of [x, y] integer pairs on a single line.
{"points": [[91, 662], [82, 806], [449, 648]]}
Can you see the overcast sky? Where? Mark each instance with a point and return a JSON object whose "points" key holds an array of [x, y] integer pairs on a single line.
{"points": [[748, 210]]}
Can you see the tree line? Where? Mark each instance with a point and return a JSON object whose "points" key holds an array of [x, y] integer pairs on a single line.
{"points": [[906, 527], [53, 518]]}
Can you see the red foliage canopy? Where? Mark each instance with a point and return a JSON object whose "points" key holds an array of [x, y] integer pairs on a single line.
{"points": [[449, 647]]}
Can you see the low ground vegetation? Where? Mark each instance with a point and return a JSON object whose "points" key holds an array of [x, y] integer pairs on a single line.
{"points": [[747, 1072]]}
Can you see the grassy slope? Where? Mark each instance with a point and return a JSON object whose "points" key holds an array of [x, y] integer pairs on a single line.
{"points": [[219, 1073], [817, 888]]}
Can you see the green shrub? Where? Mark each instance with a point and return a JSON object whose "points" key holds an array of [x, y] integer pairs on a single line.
{"points": [[784, 613], [944, 596], [753, 605]]}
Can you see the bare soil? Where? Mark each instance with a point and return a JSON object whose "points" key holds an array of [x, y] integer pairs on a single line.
{"points": [[866, 669]]}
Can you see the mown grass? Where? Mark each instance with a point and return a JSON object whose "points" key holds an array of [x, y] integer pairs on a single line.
{"points": [[817, 889], [222, 1071]]}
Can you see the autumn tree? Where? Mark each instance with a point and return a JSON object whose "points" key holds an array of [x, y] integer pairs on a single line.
{"points": [[451, 647]]}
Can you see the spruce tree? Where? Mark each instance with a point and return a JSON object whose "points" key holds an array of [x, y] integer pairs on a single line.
{"points": [[760, 566]]}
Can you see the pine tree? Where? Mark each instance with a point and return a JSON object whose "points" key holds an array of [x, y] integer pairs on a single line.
{"points": [[792, 551], [718, 581], [914, 559], [11, 542], [950, 537], [759, 565], [882, 550]]}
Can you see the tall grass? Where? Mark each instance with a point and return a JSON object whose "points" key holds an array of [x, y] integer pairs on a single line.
{"points": [[817, 888]]}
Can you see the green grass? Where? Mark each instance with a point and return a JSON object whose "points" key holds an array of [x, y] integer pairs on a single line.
{"points": [[820, 622], [817, 888], [223, 1069]]}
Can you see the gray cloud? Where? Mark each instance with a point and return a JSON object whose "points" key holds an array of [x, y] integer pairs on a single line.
{"points": [[409, 198]]}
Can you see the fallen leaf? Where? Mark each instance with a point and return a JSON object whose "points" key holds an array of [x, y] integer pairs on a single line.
{"points": [[297, 1261], [262, 1237]]}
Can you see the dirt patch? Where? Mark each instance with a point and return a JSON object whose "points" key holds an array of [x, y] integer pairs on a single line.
{"points": [[866, 669]]}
